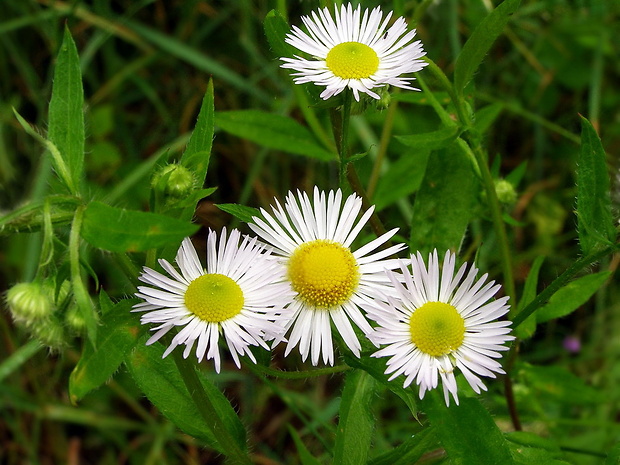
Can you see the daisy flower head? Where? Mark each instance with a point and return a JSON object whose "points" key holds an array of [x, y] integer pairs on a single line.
{"points": [[329, 279], [440, 321], [354, 50], [238, 296]]}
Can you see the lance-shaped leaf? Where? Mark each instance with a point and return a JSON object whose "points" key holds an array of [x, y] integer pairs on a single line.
{"points": [[120, 230], [594, 219], [66, 112], [480, 42], [276, 29], [198, 151]]}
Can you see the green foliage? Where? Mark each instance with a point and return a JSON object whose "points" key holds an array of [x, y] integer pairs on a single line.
{"points": [[272, 131], [120, 230], [356, 422]]}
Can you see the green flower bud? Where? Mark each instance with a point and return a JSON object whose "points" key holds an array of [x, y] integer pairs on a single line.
{"points": [[385, 98], [51, 333], [29, 302], [75, 320], [505, 191], [173, 181]]}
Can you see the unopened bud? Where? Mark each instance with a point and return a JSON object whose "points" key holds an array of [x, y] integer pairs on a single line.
{"points": [[29, 302], [505, 192], [173, 181]]}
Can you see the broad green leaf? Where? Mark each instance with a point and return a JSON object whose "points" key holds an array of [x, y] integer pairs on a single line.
{"points": [[431, 140], [117, 335], [66, 111], [305, 457], [160, 380], [572, 296], [198, 151], [531, 449], [276, 29], [273, 131], [240, 212], [558, 384], [485, 116], [375, 367], [480, 42], [410, 450], [527, 328], [594, 220], [445, 202], [356, 420], [467, 431], [120, 230], [393, 185]]}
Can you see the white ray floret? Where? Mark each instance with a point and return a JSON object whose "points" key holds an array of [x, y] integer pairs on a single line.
{"points": [[330, 279], [354, 50], [240, 296], [439, 321]]}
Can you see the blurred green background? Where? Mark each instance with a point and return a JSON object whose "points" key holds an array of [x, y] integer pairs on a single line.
{"points": [[146, 65]]}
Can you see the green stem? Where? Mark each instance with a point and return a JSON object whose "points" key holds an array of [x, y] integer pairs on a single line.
{"points": [[436, 71], [342, 135], [386, 134], [208, 411], [298, 374], [498, 221], [560, 282]]}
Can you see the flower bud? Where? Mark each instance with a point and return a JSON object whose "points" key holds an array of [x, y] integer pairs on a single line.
{"points": [[51, 333], [505, 191], [74, 319], [174, 181], [29, 302]]}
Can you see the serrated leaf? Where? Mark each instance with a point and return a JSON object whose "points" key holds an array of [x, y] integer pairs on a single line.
{"points": [[276, 28], [66, 111], [120, 230], [160, 380], [594, 219], [467, 431], [431, 140], [305, 457], [445, 202], [527, 328], [117, 335], [571, 297], [273, 131], [198, 151], [480, 41], [393, 185], [410, 450], [240, 212], [356, 420]]}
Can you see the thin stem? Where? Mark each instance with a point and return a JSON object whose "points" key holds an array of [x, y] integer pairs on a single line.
{"points": [[208, 411], [386, 134], [298, 374], [356, 185], [343, 142], [560, 281]]}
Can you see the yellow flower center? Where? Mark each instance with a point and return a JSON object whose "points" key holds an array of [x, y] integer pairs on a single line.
{"points": [[323, 273], [352, 60], [436, 328], [214, 298]]}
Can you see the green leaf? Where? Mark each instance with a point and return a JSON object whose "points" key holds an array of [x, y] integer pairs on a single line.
{"points": [[120, 230], [431, 140], [558, 384], [66, 111], [485, 116], [393, 186], [375, 367], [480, 42], [613, 457], [273, 131], [356, 420], [572, 296], [240, 212], [305, 457], [445, 202], [276, 29], [160, 380], [11, 363], [117, 335], [594, 219], [531, 449], [410, 450], [467, 431], [198, 151], [527, 328]]}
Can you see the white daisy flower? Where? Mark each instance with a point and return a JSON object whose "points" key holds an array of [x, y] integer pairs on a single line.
{"points": [[239, 296], [437, 323], [329, 279], [355, 51]]}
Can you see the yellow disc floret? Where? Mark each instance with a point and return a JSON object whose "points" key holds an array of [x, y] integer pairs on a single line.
{"points": [[436, 328], [352, 60], [214, 298], [324, 273]]}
